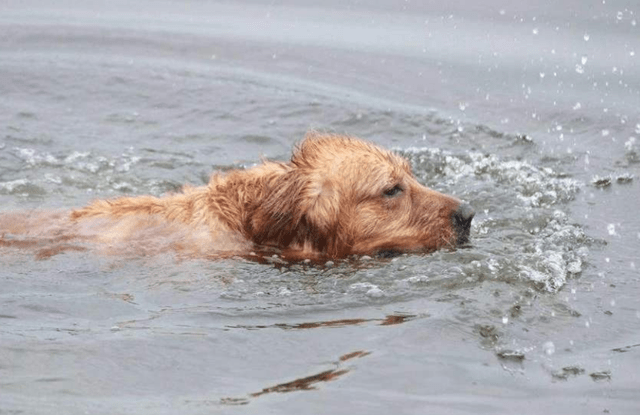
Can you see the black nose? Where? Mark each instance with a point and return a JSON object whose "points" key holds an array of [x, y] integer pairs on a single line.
{"points": [[461, 219]]}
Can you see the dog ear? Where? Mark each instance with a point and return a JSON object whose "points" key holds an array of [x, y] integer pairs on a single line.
{"points": [[276, 216], [296, 210], [320, 197]]}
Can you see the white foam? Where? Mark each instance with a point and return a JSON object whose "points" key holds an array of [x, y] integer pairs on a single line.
{"points": [[547, 249]]}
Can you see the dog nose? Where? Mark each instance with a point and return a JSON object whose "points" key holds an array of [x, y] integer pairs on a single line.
{"points": [[461, 219], [464, 213]]}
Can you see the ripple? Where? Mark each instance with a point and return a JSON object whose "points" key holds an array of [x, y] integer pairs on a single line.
{"points": [[521, 231]]}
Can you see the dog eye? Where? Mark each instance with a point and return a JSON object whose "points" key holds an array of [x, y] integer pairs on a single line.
{"points": [[393, 191]]}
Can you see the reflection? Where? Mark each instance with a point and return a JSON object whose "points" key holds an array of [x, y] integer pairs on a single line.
{"points": [[396, 319], [625, 348], [387, 321], [44, 248], [302, 384], [353, 355]]}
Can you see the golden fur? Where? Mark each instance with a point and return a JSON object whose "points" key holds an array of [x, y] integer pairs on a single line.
{"points": [[336, 197]]}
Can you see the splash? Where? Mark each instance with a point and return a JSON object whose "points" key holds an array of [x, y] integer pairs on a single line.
{"points": [[522, 230]]}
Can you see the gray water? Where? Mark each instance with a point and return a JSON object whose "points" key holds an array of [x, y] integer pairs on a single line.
{"points": [[531, 112]]}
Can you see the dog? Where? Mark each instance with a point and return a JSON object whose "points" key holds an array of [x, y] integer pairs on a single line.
{"points": [[338, 196]]}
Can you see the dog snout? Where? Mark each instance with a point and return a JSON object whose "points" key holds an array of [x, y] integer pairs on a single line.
{"points": [[461, 219]]}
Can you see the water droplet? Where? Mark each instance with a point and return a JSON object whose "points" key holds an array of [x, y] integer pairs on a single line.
{"points": [[542, 74], [611, 228], [629, 145], [605, 133], [579, 69], [619, 15], [375, 292], [505, 320], [587, 324], [463, 106], [577, 106], [535, 31], [632, 53], [613, 303], [502, 12], [586, 37], [583, 59], [633, 22], [284, 292], [549, 348]]}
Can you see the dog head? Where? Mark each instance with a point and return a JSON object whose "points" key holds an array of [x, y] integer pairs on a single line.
{"points": [[341, 195]]}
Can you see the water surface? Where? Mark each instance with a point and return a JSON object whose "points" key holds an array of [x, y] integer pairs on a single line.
{"points": [[529, 112]]}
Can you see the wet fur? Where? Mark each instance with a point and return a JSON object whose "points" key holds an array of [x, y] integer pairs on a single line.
{"points": [[334, 198]]}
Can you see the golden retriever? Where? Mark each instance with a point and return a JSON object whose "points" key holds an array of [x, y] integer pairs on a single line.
{"points": [[337, 196]]}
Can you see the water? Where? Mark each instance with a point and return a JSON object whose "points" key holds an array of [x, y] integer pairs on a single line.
{"points": [[539, 314]]}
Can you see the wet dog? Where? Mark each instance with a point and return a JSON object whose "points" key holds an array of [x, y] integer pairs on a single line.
{"points": [[337, 196]]}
